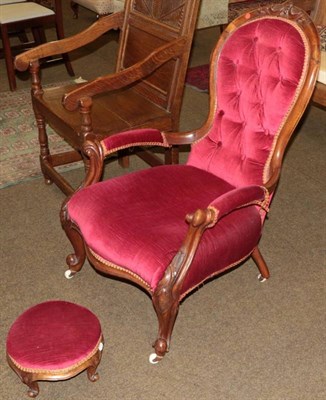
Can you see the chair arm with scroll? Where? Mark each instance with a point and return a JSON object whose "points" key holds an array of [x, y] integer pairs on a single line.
{"points": [[127, 76], [97, 151], [202, 219], [238, 198], [169, 289], [101, 26]]}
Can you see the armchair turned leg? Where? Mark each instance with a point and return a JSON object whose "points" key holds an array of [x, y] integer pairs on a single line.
{"points": [[261, 264], [44, 146]]}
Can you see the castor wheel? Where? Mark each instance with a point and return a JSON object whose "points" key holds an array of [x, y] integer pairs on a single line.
{"points": [[48, 181], [69, 273], [154, 358], [261, 278]]}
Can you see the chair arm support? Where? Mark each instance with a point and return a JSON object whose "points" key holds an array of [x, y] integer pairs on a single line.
{"points": [[101, 26], [237, 198], [93, 150], [127, 76], [133, 138], [169, 288]]}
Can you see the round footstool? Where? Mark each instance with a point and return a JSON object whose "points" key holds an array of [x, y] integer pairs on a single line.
{"points": [[52, 341]]}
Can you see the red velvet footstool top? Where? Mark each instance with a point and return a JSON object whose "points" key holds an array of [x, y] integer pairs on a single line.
{"points": [[53, 335]]}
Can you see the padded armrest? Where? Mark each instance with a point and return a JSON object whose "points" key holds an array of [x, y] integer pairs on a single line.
{"points": [[135, 137], [237, 198], [101, 26]]}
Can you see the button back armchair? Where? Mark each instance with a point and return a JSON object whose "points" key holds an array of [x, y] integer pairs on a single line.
{"points": [[209, 214], [146, 90]]}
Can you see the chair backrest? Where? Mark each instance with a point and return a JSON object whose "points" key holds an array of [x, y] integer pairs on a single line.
{"points": [[263, 72], [147, 25]]}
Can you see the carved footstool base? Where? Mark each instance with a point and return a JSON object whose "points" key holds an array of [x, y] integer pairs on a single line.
{"points": [[53, 341]]}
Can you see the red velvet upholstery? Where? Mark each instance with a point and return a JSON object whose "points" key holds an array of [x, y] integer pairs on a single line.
{"points": [[53, 335], [257, 78], [254, 98], [135, 137], [138, 221]]}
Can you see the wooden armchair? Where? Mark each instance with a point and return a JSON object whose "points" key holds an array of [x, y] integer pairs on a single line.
{"points": [[146, 90], [210, 212]]}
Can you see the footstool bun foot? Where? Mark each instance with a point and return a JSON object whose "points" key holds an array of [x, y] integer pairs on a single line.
{"points": [[33, 391], [33, 388], [53, 341], [92, 376]]}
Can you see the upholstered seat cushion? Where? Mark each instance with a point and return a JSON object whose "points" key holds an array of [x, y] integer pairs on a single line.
{"points": [[102, 7], [53, 335], [137, 222], [22, 11], [2, 2]]}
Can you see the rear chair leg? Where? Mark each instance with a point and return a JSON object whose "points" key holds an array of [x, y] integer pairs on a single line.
{"points": [[261, 264]]}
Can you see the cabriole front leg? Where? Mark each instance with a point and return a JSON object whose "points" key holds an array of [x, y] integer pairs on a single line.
{"points": [[166, 298], [166, 307], [76, 260]]}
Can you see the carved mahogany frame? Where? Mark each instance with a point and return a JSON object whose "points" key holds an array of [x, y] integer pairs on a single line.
{"points": [[168, 294]]}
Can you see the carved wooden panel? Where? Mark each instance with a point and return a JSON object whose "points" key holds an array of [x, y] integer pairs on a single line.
{"points": [[170, 12]]}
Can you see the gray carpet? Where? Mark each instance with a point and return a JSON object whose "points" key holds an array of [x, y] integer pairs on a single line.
{"points": [[234, 339]]}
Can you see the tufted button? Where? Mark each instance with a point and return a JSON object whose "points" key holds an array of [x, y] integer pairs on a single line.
{"points": [[255, 39], [219, 144]]}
